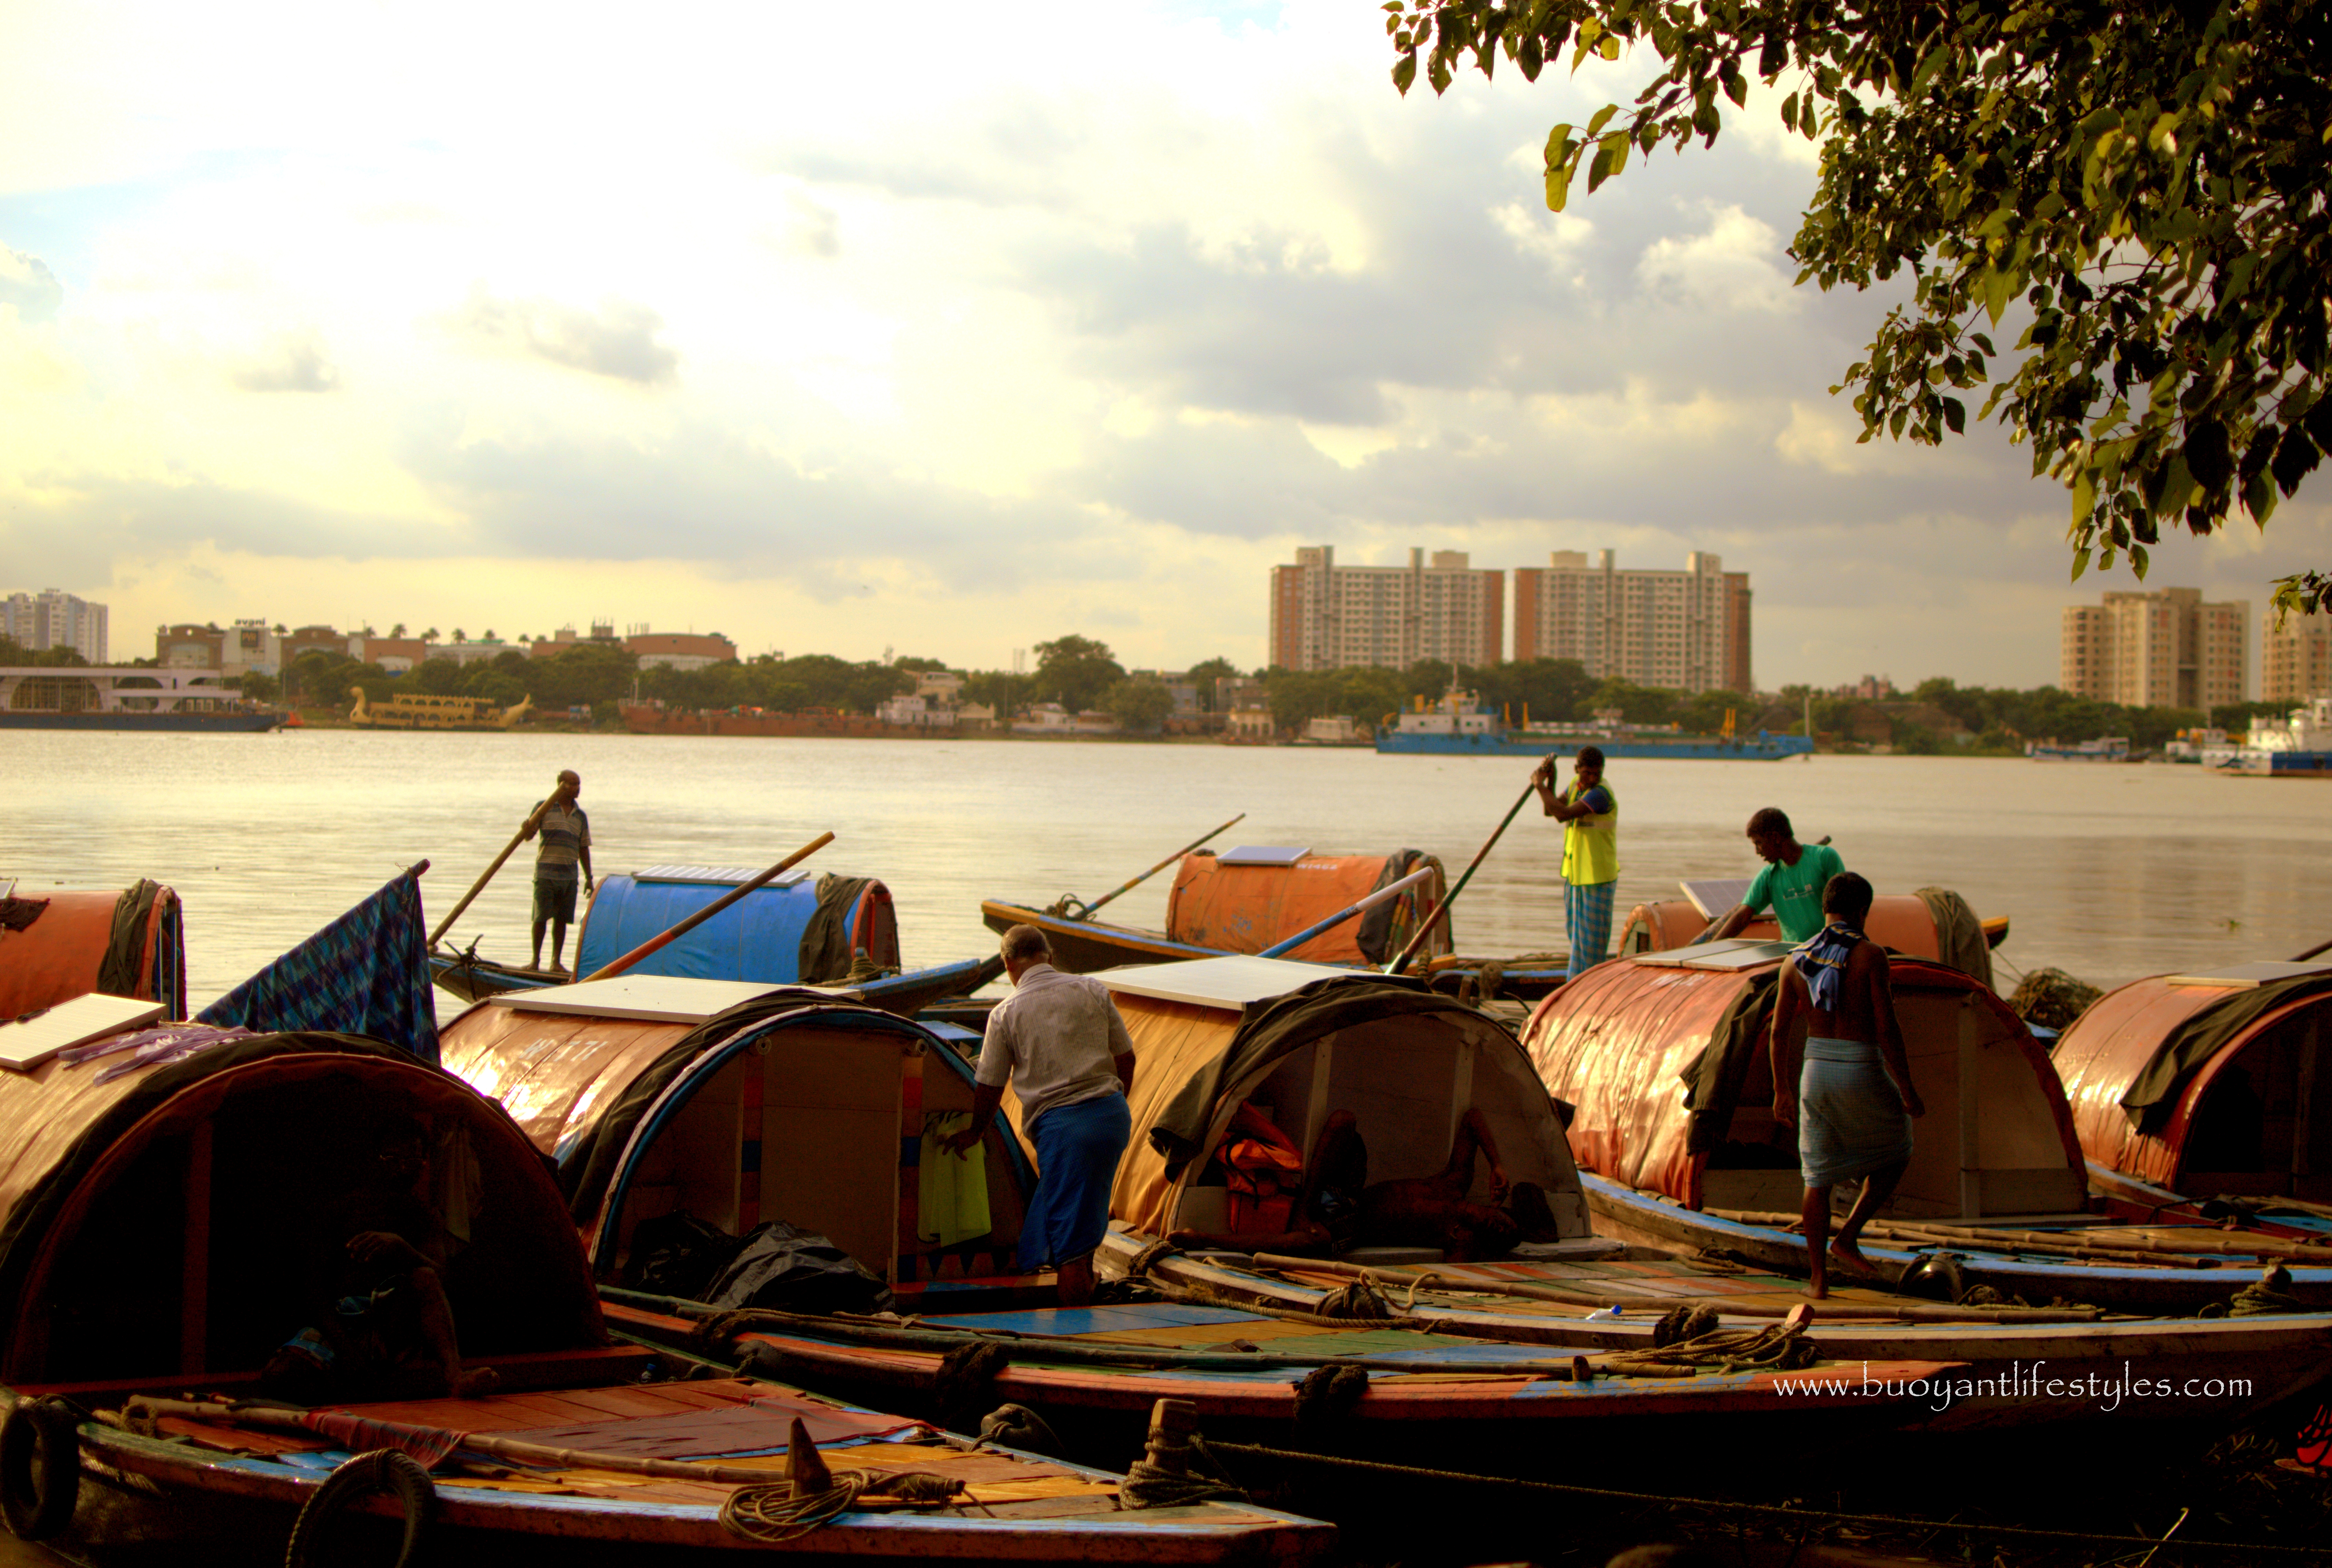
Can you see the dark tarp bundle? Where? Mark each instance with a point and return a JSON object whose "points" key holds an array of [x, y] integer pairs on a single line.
{"points": [[591, 1165], [1375, 934], [2151, 1095], [677, 1255], [1959, 934], [791, 1270], [1272, 1029], [367, 973], [1713, 1078], [826, 939]]}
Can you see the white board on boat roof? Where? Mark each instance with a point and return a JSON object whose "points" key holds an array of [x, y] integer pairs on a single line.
{"points": [[1233, 981], [658, 999], [1262, 854], [34, 1038], [1714, 895], [1731, 955]]}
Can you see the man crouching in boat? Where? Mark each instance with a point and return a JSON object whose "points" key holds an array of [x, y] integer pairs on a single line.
{"points": [[380, 1324], [1854, 1101], [1058, 1040]]}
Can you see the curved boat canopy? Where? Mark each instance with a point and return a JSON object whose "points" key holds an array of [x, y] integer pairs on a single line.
{"points": [[2210, 1083], [1246, 900], [739, 1103], [56, 944], [154, 1197], [1933, 924], [1665, 1059], [1298, 1042], [798, 928]]}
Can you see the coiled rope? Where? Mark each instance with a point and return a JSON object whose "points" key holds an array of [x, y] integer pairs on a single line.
{"points": [[777, 1512]]}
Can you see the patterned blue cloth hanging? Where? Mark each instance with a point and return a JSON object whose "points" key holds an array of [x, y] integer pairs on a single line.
{"points": [[367, 973]]}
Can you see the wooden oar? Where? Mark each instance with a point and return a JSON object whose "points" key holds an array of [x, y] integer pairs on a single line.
{"points": [[533, 820], [2321, 947], [618, 966], [1389, 890], [1418, 941], [1085, 911]]}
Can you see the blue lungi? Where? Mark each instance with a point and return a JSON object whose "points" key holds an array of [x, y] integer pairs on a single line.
{"points": [[1587, 911], [1851, 1120], [1077, 1149]]}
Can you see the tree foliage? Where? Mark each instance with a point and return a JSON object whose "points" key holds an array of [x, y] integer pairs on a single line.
{"points": [[2142, 186], [1139, 703], [1205, 674], [1074, 671], [13, 653]]}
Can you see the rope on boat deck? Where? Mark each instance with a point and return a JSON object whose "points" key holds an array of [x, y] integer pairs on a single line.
{"points": [[1764, 1510], [777, 1512]]}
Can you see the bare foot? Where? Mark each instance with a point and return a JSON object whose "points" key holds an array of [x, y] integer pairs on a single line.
{"points": [[1816, 1288], [1844, 1254], [1076, 1282], [476, 1384]]}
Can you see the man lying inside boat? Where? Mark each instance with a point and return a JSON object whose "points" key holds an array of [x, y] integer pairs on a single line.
{"points": [[379, 1325], [1338, 1209]]}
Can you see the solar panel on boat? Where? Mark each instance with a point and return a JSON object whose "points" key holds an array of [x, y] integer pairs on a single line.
{"points": [[1262, 854], [731, 874], [647, 998], [1713, 895]]}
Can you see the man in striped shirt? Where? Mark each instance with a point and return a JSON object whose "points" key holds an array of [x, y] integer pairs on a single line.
{"points": [[566, 850]]}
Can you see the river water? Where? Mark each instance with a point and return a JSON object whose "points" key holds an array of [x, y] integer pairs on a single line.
{"points": [[2109, 870]]}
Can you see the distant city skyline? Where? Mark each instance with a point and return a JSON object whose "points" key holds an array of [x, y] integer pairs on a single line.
{"points": [[1080, 324]]}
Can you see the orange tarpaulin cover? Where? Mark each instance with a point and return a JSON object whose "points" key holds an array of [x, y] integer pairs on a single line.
{"points": [[59, 955], [1247, 908]]}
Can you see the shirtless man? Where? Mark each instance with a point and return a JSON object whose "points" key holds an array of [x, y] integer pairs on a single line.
{"points": [[1852, 1100], [1338, 1210]]}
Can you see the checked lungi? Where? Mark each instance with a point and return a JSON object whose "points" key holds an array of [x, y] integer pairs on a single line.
{"points": [[1587, 911]]}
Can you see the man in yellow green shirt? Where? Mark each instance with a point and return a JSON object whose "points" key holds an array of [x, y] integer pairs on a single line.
{"points": [[1589, 810]]}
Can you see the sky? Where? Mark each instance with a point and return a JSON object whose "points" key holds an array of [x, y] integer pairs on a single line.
{"points": [[945, 335]]}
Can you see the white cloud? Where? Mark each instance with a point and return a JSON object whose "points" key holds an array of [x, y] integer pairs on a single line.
{"points": [[1733, 265]]}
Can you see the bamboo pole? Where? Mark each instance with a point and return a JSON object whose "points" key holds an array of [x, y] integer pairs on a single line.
{"points": [[618, 966], [533, 820], [1426, 929], [2100, 1240], [1389, 890], [1086, 911], [1725, 1305]]}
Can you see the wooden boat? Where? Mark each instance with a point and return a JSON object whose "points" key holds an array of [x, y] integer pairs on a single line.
{"points": [[58, 943], [2205, 1085], [144, 1279], [820, 929], [1248, 899], [738, 1102], [422, 710], [1665, 1057]]}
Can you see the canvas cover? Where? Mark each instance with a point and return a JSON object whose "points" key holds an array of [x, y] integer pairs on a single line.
{"points": [[1901, 922], [58, 943], [2133, 1062], [802, 934], [1249, 908], [1198, 1064], [67, 1130], [1658, 1061]]}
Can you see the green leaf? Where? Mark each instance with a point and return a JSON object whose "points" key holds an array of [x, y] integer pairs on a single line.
{"points": [[1790, 111], [2085, 497], [1602, 118], [1955, 415], [2081, 562], [1558, 185], [1558, 145], [1996, 288], [1404, 71]]}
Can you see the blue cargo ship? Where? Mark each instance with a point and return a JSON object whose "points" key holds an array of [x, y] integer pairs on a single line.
{"points": [[1458, 726]]}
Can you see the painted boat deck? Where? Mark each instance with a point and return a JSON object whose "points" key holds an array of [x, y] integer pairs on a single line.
{"points": [[1014, 1506]]}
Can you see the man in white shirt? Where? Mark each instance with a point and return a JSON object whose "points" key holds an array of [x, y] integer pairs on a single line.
{"points": [[1058, 1040]]}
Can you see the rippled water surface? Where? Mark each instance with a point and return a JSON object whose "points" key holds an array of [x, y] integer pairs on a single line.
{"points": [[2110, 872]]}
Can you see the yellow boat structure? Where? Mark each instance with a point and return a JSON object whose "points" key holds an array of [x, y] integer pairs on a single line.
{"points": [[418, 710]]}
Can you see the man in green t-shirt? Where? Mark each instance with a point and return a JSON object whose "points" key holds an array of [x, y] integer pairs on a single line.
{"points": [[1790, 885]]}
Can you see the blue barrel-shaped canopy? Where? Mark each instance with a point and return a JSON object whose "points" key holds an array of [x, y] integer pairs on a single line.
{"points": [[775, 934]]}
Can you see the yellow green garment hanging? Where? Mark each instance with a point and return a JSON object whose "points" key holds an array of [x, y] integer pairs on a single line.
{"points": [[950, 1189]]}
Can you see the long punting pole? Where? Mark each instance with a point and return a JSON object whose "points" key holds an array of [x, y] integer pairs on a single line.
{"points": [[1389, 890], [618, 966], [534, 819], [1086, 913], [1418, 941], [2320, 948]]}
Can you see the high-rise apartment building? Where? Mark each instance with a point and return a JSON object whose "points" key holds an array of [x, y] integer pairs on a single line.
{"points": [[2160, 649], [1325, 616], [1686, 631], [54, 619], [2295, 659]]}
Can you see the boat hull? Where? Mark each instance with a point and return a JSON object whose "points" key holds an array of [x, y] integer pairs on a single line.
{"points": [[145, 724], [1516, 743], [473, 980]]}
